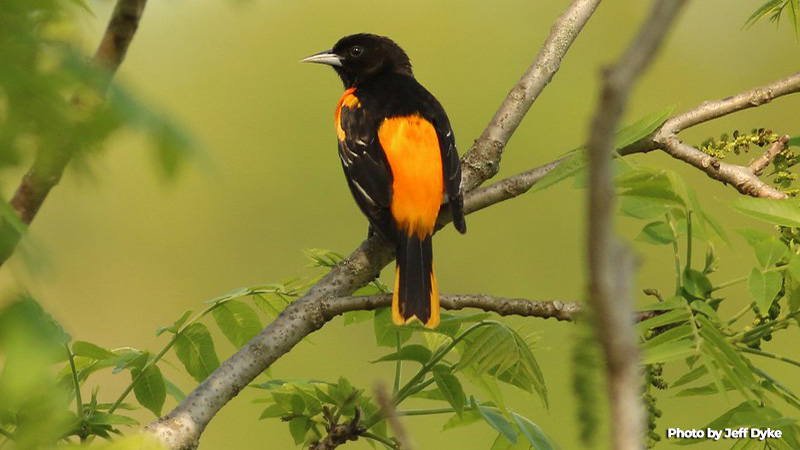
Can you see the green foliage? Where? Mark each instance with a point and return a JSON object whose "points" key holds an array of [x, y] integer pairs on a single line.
{"points": [[774, 10], [43, 62], [577, 162]]}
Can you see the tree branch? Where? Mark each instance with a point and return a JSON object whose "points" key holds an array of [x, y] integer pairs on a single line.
{"points": [[49, 164], [742, 178], [610, 265], [181, 428], [521, 183], [551, 309]]}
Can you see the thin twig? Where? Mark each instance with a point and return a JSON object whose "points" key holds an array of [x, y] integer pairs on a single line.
{"points": [[49, 164], [610, 265], [769, 155]]}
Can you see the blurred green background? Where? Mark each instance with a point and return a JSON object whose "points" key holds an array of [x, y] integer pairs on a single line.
{"points": [[126, 251]]}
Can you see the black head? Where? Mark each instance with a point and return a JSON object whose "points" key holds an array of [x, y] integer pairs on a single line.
{"points": [[361, 56]]}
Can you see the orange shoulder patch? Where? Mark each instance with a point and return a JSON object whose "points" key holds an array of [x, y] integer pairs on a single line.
{"points": [[349, 100], [412, 150]]}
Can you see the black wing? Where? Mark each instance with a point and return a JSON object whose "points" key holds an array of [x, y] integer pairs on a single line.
{"points": [[451, 168], [366, 168], [451, 165]]}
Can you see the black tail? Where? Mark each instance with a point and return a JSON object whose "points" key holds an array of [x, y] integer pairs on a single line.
{"points": [[415, 291]]}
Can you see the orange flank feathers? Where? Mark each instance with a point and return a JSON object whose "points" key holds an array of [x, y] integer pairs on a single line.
{"points": [[412, 149]]}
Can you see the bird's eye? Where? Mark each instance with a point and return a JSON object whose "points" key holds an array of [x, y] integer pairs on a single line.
{"points": [[356, 51]]}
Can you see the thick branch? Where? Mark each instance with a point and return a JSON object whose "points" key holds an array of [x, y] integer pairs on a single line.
{"points": [[610, 265], [49, 164], [181, 428]]}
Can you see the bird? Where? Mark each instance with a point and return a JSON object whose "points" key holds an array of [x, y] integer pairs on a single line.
{"points": [[399, 156]]}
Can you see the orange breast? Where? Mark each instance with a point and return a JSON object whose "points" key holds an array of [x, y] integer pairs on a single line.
{"points": [[412, 149], [350, 100]]}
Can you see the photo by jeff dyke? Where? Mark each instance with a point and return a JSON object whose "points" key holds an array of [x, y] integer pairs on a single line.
{"points": [[725, 433]]}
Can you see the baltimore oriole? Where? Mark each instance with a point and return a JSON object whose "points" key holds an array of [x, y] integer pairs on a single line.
{"points": [[399, 156]]}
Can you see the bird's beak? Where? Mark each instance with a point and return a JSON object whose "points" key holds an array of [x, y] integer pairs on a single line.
{"points": [[326, 57]]}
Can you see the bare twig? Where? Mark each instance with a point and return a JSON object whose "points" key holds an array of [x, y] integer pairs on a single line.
{"points": [[49, 164], [610, 265], [182, 427], [769, 155], [390, 414]]}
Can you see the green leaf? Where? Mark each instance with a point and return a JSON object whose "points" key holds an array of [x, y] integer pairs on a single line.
{"points": [[415, 352], [89, 350], [673, 334], [499, 351], [669, 351], [708, 389], [493, 417], [649, 202], [272, 411], [150, 390], [641, 128], [705, 308], [450, 388], [501, 443], [770, 251], [676, 302], [762, 11], [175, 326], [298, 428], [713, 335], [99, 418], [693, 375], [792, 292], [754, 236], [567, 168], [533, 433], [669, 317], [775, 211], [351, 317], [386, 331], [238, 322], [174, 391], [793, 142], [794, 266], [195, 349], [696, 283], [764, 286], [657, 233], [468, 417]]}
